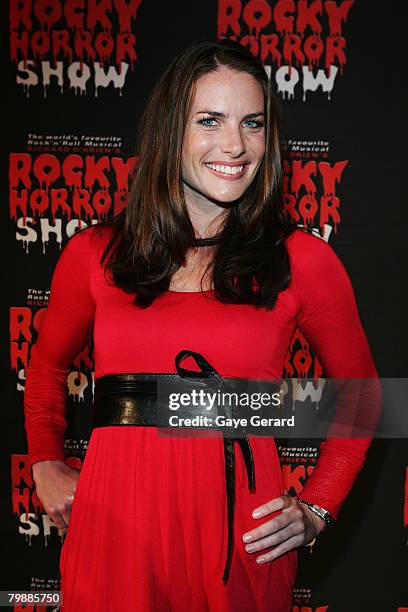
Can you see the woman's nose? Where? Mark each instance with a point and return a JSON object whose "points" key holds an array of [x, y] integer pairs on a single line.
{"points": [[232, 141]]}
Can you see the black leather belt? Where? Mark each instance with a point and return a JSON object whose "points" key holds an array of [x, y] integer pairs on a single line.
{"points": [[131, 399]]}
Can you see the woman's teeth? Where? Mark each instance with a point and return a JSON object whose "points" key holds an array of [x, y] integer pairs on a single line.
{"points": [[226, 169]]}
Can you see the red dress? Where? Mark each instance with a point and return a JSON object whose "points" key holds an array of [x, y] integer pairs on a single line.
{"points": [[148, 528]]}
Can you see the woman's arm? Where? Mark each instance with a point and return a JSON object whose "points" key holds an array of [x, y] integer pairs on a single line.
{"points": [[65, 329], [329, 319]]}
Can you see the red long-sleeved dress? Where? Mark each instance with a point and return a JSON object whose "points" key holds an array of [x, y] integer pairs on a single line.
{"points": [[148, 528]]}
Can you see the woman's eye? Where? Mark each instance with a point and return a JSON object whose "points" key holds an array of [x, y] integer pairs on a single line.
{"points": [[254, 124], [204, 121]]}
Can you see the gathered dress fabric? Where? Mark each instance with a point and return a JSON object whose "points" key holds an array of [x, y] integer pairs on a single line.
{"points": [[148, 527]]}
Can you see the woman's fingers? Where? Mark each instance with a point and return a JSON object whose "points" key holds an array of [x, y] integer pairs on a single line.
{"points": [[273, 505], [66, 515], [61, 513], [58, 519], [65, 524], [293, 529], [281, 549], [290, 512]]}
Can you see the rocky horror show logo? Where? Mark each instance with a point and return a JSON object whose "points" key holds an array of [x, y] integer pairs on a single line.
{"points": [[80, 44], [52, 195], [301, 44]]}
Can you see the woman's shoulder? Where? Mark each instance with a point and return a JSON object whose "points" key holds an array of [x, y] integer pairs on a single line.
{"points": [[315, 266], [305, 241], [92, 238], [310, 252]]}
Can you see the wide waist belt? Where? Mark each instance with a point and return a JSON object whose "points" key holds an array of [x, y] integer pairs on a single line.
{"points": [[132, 399]]}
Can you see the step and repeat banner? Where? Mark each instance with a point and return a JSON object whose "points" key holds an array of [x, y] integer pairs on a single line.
{"points": [[77, 74]]}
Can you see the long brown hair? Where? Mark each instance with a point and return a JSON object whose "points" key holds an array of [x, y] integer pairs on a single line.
{"points": [[153, 232]]}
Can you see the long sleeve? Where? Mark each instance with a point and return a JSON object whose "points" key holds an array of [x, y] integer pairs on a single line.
{"points": [[329, 319], [64, 331]]}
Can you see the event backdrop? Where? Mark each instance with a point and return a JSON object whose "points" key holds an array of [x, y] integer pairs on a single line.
{"points": [[77, 75]]}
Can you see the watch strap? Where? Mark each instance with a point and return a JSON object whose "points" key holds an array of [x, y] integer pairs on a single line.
{"points": [[321, 512]]}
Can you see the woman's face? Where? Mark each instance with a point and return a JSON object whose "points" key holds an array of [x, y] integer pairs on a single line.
{"points": [[224, 139]]}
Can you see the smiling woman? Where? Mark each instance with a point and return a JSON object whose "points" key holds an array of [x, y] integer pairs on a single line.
{"points": [[209, 138], [162, 521]]}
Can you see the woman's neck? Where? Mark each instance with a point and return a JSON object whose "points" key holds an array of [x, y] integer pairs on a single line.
{"points": [[206, 217]]}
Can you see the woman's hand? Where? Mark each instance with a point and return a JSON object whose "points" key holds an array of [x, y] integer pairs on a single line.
{"points": [[295, 526], [55, 484]]}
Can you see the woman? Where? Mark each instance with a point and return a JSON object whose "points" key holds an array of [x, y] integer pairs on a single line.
{"points": [[148, 528]]}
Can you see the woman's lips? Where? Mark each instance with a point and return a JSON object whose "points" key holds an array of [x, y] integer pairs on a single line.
{"points": [[228, 172]]}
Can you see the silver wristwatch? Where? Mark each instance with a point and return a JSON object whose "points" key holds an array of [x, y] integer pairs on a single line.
{"points": [[321, 512]]}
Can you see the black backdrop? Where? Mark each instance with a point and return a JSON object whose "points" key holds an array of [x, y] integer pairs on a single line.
{"points": [[362, 563]]}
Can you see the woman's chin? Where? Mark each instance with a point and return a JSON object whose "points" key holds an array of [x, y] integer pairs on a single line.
{"points": [[225, 199]]}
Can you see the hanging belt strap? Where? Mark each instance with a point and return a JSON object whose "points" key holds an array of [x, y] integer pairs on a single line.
{"points": [[229, 452]]}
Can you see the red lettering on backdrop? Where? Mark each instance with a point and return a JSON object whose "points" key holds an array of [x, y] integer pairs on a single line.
{"points": [[83, 44], [20, 14], [294, 478], [126, 10], [257, 14], [97, 14], [125, 44], [87, 191], [22, 323], [229, 13], [22, 489], [307, 16], [309, 208], [337, 14], [305, 32], [299, 359], [84, 360], [35, 30], [74, 14], [283, 18]]}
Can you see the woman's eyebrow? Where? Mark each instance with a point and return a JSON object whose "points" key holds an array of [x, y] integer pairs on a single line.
{"points": [[217, 114]]}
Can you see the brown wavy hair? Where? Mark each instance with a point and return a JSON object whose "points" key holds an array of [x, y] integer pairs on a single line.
{"points": [[153, 233]]}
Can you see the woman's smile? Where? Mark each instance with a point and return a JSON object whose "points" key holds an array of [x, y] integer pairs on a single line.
{"points": [[227, 171]]}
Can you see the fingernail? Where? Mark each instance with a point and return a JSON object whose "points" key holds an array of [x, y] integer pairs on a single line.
{"points": [[247, 538], [260, 560], [256, 513], [250, 547]]}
